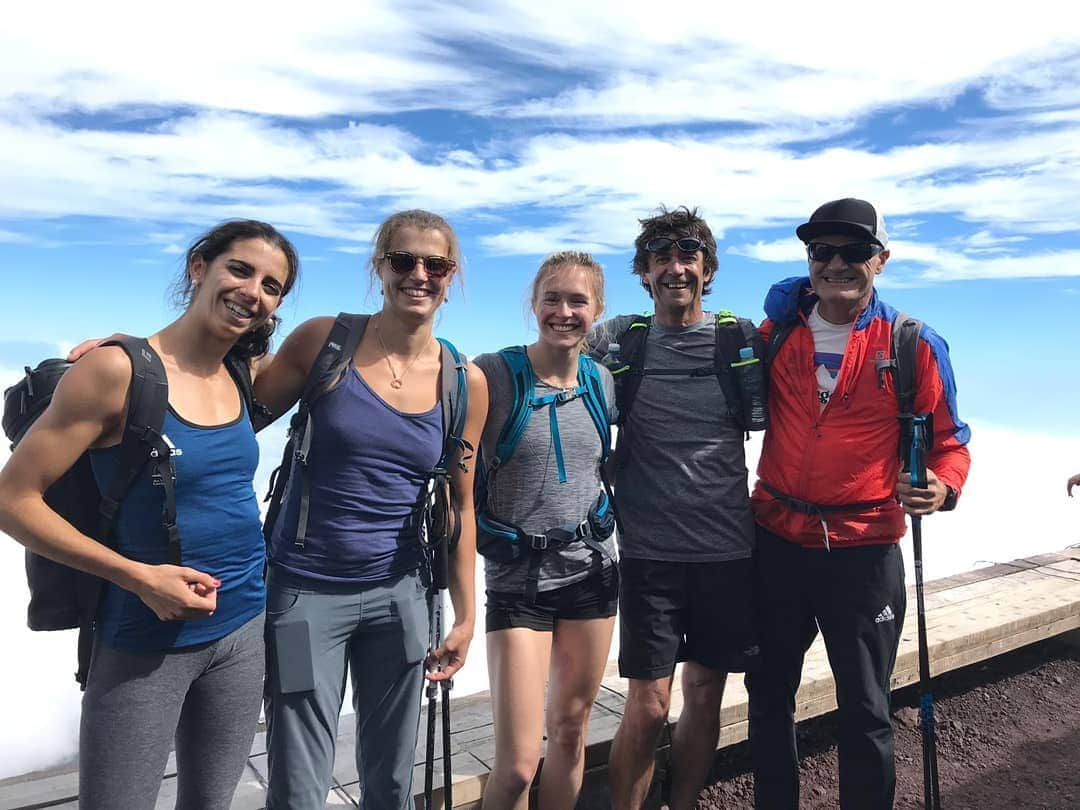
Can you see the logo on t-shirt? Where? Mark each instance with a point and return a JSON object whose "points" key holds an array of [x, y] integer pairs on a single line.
{"points": [[826, 369]]}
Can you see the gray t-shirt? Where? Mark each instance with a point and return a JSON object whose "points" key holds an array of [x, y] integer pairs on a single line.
{"points": [[526, 490], [680, 465]]}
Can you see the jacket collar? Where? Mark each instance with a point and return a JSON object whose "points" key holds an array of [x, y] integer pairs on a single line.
{"points": [[792, 297]]}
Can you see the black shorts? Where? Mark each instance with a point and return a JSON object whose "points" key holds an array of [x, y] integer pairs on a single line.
{"points": [[677, 611], [595, 597]]}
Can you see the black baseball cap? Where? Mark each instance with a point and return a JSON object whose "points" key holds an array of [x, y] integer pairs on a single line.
{"points": [[847, 217]]}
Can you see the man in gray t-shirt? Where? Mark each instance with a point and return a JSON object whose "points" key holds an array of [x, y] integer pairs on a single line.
{"points": [[686, 531]]}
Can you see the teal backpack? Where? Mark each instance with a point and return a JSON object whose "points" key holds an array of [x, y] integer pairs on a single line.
{"points": [[502, 541]]}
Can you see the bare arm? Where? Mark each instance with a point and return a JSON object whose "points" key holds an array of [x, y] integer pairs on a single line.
{"points": [[86, 411], [463, 559], [280, 377]]}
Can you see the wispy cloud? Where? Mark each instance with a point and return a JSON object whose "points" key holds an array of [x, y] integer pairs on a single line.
{"points": [[558, 120]]}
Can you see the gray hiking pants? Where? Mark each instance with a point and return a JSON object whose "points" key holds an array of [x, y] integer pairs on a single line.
{"points": [[315, 632], [136, 703]]}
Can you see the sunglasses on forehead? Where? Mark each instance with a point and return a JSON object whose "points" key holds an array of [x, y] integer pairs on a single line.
{"points": [[852, 254], [401, 262], [662, 244]]}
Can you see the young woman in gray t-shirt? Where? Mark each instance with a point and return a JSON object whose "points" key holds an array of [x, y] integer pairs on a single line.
{"points": [[551, 625]]}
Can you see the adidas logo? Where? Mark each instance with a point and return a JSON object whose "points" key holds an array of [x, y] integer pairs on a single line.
{"points": [[886, 615]]}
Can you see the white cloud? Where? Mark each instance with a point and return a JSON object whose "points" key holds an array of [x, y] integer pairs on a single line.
{"points": [[195, 123], [781, 250]]}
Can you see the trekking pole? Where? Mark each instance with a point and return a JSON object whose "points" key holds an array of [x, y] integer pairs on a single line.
{"points": [[440, 566], [916, 463], [431, 691]]}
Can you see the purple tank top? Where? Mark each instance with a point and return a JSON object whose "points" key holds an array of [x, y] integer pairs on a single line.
{"points": [[368, 464]]}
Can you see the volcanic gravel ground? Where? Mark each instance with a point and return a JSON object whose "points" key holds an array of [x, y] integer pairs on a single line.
{"points": [[1008, 737]]}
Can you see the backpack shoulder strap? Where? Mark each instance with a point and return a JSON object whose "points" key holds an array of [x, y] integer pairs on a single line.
{"points": [[333, 359], [240, 370], [454, 395], [595, 401], [524, 383], [326, 373], [143, 441], [779, 334], [733, 334], [632, 363], [905, 345]]}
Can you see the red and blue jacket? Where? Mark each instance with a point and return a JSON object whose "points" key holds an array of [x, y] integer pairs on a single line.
{"points": [[847, 453]]}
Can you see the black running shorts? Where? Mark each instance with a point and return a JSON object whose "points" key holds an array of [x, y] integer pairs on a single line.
{"points": [[677, 611], [594, 597]]}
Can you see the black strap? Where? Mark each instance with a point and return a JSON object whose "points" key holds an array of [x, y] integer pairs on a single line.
{"points": [[731, 338], [327, 372], [777, 337], [240, 370], [905, 345], [808, 508], [632, 344], [148, 398]]}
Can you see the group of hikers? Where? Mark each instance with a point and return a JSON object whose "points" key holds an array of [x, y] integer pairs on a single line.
{"points": [[705, 573]]}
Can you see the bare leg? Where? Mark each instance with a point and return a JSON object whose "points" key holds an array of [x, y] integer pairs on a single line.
{"points": [[630, 767], [696, 735], [578, 656], [518, 669]]}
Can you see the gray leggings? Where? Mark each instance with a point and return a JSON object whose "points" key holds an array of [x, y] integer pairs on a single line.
{"points": [[206, 696]]}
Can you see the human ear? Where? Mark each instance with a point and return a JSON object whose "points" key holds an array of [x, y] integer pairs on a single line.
{"points": [[196, 270]]}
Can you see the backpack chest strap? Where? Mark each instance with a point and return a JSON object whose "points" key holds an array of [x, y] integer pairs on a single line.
{"points": [[551, 402]]}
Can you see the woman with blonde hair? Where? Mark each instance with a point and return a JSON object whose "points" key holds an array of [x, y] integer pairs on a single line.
{"points": [[347, 581], [545, 526]]}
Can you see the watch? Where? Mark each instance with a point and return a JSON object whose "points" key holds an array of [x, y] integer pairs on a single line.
{"points": [[950, 500]]}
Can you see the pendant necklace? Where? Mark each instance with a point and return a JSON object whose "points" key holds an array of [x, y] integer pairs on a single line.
{"points": [[397, 379]]}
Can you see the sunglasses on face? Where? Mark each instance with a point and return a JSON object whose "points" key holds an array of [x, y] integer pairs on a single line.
{"points": [[662, 244], [852, 254], [401, 262]]}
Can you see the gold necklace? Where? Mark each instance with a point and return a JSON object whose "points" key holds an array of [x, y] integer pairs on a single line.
{"points": [[397, 379]]}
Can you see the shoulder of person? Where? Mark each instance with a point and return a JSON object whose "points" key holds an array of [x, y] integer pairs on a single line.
{"points": [[303, 343], [98, 382], [607, 332]]}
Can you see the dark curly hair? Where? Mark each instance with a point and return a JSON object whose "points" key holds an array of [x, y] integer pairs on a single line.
{"points": [[256, 341], [680, 222]]}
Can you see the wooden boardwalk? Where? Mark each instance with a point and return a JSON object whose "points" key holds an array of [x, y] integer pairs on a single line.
{"points": [[970, 617]]}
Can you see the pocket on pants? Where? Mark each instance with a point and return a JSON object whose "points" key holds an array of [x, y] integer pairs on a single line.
{"points": [[411, 606], [294, 669]]}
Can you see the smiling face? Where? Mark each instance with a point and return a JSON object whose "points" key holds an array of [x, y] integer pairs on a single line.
{"points": [[566, 303], [242, 287], [676, 280], [844, 288], [416, 294]]}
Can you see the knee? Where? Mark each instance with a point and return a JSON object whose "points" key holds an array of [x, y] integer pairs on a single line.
{"points": [[517, 775], [567, 733], [648, 710], [703, 692]]}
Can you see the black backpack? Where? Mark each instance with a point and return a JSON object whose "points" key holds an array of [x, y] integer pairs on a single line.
{"points": [[732, 335], [63, 598], [436, 515]]}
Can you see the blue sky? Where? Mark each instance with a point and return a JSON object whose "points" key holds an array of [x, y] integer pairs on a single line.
{"points": [[535, 127]]}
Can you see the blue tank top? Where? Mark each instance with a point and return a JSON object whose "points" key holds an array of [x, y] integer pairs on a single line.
{"points": [[218, 517], [367, 465]]}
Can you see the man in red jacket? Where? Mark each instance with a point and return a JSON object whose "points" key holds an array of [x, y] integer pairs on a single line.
{"points": [[831, 498]]}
